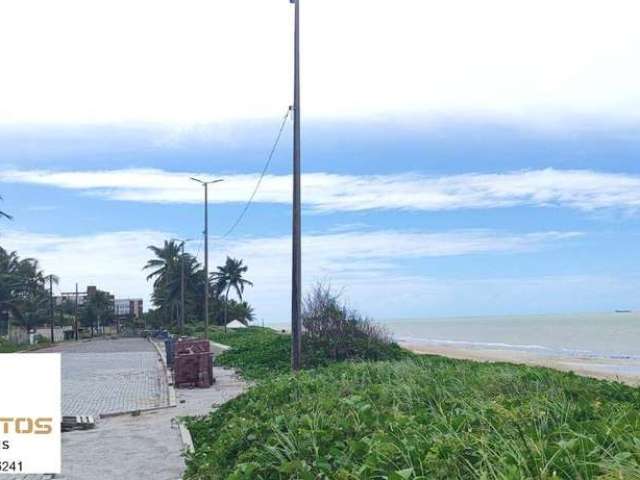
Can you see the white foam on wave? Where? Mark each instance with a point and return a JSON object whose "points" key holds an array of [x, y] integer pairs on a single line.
{"points": [[516, 347]]}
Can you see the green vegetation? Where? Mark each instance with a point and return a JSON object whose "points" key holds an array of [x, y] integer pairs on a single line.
{"points": [[333, 332], [97, 311], [229, 276], [23, 290], [4, 214], [258, 353], [167, 268], [407, 417], [427, 418], [7, 347]]}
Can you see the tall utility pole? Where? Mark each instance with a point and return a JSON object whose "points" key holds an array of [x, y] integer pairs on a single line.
{"points": [[206, 251], [182, 287], [182, 283], [75, 316], [296, 280], [51, 305]]}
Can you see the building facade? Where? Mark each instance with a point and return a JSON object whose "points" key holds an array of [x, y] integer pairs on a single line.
{"points": [[128, 307]]}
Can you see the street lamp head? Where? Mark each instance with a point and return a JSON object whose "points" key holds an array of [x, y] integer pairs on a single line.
{"points": [[202, 182]]}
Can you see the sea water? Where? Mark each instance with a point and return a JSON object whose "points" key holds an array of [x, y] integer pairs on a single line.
{"points": [[606, 335]]}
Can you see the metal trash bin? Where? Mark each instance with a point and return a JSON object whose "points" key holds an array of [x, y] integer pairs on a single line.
{"points": [[162, 334], [170, 350], [193, 365]]}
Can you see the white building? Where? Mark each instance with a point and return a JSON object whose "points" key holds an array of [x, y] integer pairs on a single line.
{"points": [[71, 297], [128, 307]]}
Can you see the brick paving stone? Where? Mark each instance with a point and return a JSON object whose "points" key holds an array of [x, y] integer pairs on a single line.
{"points": [[111, 376]]}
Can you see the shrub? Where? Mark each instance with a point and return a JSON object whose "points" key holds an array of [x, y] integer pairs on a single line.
{"points": [[335, 332], [7, 347]]}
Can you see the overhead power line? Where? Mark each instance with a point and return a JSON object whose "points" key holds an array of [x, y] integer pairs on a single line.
{"points": [[259, 182]]}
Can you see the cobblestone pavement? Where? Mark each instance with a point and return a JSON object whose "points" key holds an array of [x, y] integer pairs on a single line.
{"points": [[128, 447], [111, 376]]}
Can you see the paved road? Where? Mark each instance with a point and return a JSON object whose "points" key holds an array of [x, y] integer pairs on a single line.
{"points": [[111, 376], [103, 376]]}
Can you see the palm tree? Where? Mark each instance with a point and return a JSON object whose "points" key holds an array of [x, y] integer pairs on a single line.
{"points": [[230, 275], [166, 271], [167, 258], [3, 214], [22, 290], [193, 286], [243, 312], [9, 283], [23, 293], [101, 305]]}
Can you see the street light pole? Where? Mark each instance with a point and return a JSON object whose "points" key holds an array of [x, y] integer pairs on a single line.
{"points": [[206, 261], [51, 305], [182, 288], [206, 251], [75, 315], [296, 280]]}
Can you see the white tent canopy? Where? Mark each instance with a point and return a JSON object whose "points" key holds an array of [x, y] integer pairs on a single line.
{"points": [[236, 324]]}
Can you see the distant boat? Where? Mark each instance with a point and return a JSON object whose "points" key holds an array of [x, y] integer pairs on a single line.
{"points": [[623, 311]]}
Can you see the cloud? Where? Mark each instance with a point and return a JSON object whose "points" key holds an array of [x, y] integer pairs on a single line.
{"points": [[326, 192], [197, 61], [359, 260], [112, 261]]}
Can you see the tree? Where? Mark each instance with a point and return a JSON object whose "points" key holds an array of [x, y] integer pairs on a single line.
{"points": [[30, 291], [4, 214], [229, 276], [166, 268], [99, 308], [242, 312], [166, 275], [22, 289]]}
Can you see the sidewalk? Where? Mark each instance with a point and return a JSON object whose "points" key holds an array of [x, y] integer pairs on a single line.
{"points": [[130, 447]]}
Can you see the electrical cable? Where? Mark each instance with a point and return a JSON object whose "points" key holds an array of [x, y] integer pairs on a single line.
{"points": [[264, 171]]}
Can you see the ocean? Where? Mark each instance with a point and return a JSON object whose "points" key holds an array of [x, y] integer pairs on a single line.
{"points": [[605, 345], [606, 335]]}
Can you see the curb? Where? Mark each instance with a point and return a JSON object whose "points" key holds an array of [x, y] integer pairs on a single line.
{"points": [[137, 411], [220, 346], [185, 436], [171, 392]]}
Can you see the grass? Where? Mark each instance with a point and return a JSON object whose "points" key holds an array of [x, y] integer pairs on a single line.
{"points": [[417, 418], [8, 347], [260, 353]]}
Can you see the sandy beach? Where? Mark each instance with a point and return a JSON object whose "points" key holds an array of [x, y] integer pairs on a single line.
{"points": [[621, 370]]}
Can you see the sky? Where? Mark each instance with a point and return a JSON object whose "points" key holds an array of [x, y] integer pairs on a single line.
{"points": [[459, 158]]}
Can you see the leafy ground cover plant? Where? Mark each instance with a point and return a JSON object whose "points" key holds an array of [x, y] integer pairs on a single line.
{"points": [[7, 347], [256, 352], [260, 353], [428, 418]]}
